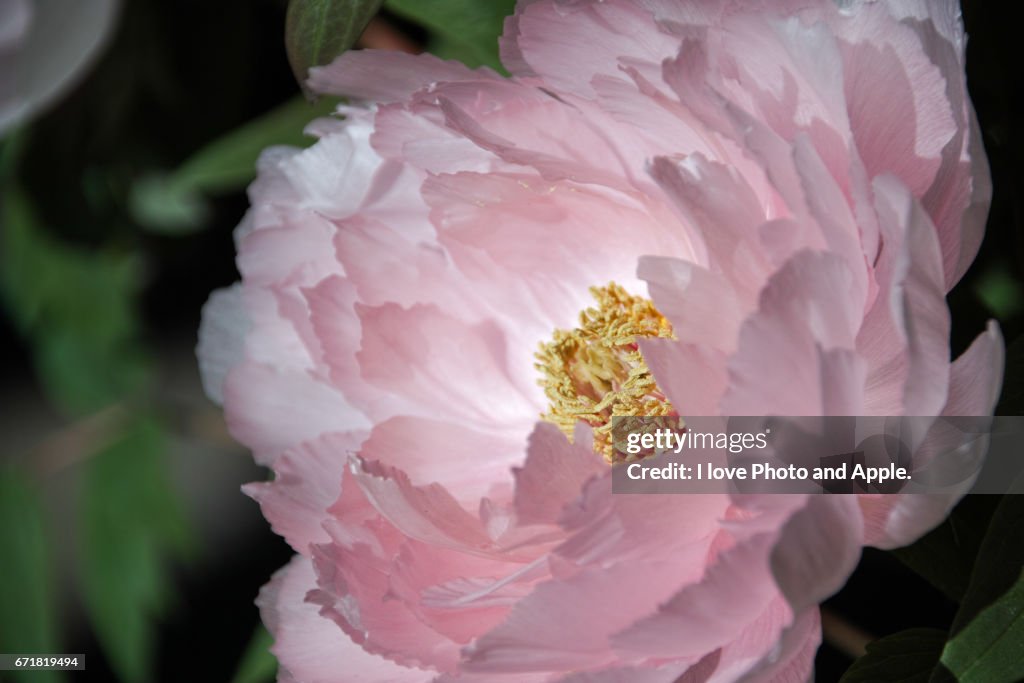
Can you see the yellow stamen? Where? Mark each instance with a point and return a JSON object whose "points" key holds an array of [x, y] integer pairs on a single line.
{"points": [[596, 371]]}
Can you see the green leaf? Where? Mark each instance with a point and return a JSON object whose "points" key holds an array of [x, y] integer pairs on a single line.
{"points": [[945, 556], [29, 623], [999, 560], [466, 30], [317, 31], [77, 307], [907, 657], [174, 203], [991, 648], [996, 576], [258, 665], [132, 527]]}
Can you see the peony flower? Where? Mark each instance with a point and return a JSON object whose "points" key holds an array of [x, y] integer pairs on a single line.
{"points": [[674, 208]]}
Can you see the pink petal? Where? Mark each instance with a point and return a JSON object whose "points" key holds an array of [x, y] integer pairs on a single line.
{"points": [[436, 451], [922, 289], [818, 549], [386, 76], [262, 413], [353, 577], [567, 45], [427, 513], [430, 358], [708, 614], [718, 203], [307, 482], [805, 311], [491, 225], [893, 521], [553, 474], [311, 648], [897, 99], [693, 377], [793, 659], [565, 624], [976, 377], [221, 339]]}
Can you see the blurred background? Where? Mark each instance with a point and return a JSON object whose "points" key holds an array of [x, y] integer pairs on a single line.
{"points": [[128, 133]]}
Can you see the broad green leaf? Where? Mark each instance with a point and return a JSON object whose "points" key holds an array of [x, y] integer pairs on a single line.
{"points": [[906, 657], [132, 528], [174, 203], [996, 575], [258, 665], [317, 31], [466, 30], [991, 648], [945, 556], [29, 623], [76, 307], [999, 560]]}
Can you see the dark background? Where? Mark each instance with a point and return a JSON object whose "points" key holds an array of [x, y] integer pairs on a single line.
{"points": [[178, 75]]}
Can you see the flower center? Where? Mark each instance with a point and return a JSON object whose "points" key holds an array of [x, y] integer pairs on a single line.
{"points": [[596, 372]]}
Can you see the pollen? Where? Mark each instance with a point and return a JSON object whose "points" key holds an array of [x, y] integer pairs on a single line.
{"points": [[596, 372]]}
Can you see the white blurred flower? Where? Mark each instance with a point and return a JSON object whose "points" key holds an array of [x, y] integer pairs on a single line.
{"points": [[45, 47]]}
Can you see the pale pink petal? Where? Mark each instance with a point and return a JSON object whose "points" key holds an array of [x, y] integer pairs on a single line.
{"points": [[716, 201], [673, 672], [553, 474], [565, 624], [427, 513], [941, 204], [280, 332], [294, 252], [976, 377], [221, 339], [892, 521], [792, 661], [922, 290], [818, 548], [694, 378], [385, 76], [436, 360], [897, 99], [261, 414], [416, 134], [354, 582], [406, 269], [786, 342], [431, 581], [332, 316], [307, 481], [437, 451], [311, 648], [493, 223], [567, 45], [500, 116], [702, 617], [324, 172]]}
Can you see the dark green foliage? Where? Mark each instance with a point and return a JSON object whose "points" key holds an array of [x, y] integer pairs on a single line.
{"points": [[905, 657]]}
